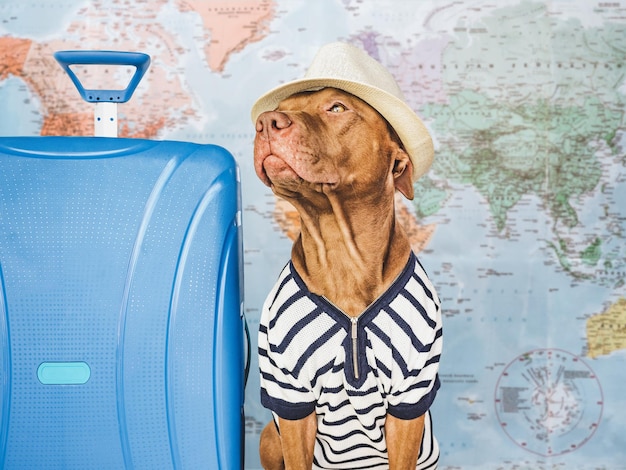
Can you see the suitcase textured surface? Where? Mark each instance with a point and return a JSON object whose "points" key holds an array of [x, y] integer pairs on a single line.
{"points": [[120, 300]]}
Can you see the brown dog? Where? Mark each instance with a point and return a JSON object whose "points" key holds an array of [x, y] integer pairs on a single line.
{"points": [[350, 335], [339, 163]]}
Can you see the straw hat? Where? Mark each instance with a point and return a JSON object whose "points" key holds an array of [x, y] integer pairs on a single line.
{"points": [[350, 69]]}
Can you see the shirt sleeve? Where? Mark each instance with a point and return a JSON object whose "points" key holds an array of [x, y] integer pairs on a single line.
{"points": [[281, 391], [417, 351]]}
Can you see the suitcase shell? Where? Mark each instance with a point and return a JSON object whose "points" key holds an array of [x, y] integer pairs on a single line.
{"points": [[121, 329]]}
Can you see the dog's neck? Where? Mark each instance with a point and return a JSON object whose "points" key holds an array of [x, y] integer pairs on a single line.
{"points": [[350, 254]]}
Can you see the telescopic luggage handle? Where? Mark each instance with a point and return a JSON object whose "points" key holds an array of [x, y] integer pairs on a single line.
{"points": [[136, 59], [105, 117]]}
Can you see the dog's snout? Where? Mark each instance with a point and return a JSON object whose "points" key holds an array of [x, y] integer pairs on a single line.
{"points": [[272, 121]]}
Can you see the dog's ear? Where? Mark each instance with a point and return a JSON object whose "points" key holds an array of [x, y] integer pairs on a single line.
{"points": [[403, 173]]}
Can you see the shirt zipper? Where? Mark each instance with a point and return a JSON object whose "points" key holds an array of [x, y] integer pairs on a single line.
{"points": [[355, 347], [354, 336]]}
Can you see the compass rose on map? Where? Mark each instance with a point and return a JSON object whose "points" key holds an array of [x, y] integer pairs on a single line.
{"points": [[549, 402]]}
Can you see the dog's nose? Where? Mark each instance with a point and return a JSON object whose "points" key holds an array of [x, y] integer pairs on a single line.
{"points": [[272, 121]]}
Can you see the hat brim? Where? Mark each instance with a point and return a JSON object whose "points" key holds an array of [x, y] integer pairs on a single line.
{"points": [[409, 127]]}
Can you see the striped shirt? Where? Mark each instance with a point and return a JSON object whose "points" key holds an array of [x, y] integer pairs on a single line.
{"points": [[352, 372]]}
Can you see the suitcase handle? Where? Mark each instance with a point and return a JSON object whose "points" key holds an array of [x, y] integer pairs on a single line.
{"points": [[140, 61]]}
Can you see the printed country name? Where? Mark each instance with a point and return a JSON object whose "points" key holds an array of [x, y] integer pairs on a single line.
{"points": [[458, 378]]}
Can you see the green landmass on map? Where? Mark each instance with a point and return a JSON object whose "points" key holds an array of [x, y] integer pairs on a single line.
{"points": [[529, 100], [592, 254], [428, 198]]}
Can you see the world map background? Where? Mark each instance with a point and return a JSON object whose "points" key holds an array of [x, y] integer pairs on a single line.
{"points": [[521, 222]]}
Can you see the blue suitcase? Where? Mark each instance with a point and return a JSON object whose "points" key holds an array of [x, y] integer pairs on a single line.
{"points": [[121, 328]]}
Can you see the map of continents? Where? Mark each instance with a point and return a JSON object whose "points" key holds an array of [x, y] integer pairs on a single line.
{"points": [[521, 222], [519, 119]]}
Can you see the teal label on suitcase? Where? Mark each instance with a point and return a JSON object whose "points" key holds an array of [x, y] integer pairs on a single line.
{"points": [[63, 373]]}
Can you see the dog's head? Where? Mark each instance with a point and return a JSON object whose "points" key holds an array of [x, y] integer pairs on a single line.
{"points": [[329, 141]]}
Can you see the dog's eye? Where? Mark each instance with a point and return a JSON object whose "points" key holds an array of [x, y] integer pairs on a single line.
{"points": [[337, 108]]}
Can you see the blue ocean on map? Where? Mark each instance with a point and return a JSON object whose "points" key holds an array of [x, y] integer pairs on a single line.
{"points": [[14, 94]]}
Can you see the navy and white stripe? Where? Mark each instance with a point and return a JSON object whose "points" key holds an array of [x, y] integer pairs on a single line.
{"points": [[307, 362]]}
